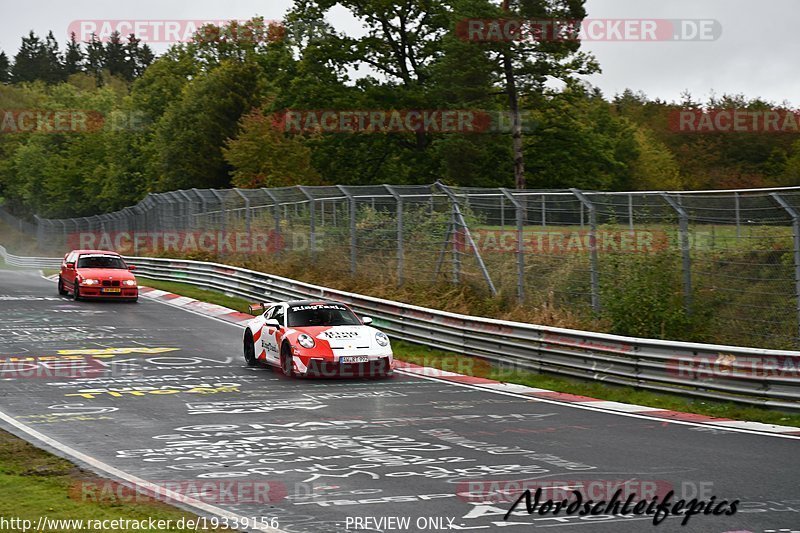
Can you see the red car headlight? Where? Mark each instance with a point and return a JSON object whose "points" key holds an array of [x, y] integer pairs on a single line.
{"points": [[129, 282]]}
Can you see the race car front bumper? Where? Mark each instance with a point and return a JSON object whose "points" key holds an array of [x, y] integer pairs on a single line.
{"points": [[379, 367]]}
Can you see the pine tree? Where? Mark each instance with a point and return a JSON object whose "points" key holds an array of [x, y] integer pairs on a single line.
{"points": [[115, 57], [138, 57], [73, 57], [5, 75], [29, 61], [95, 59], [54, 68]]}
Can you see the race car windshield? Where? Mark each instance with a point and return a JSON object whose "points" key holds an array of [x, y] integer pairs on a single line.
{"points": [[321, 315], [101, 261]]}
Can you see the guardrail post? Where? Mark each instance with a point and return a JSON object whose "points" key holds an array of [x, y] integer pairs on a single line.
{"points": [[796, 234], [400, 245], [459, 220], [312, 215], [683, 218], [353, 235], [520, 246], [246, 210], [189, 211], [594, 269]]}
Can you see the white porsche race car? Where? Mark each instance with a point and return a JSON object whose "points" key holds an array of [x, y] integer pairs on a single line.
{"points": [[316, 338]]}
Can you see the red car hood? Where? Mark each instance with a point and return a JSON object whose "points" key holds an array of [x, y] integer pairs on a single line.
{"points": [[105, 273]]}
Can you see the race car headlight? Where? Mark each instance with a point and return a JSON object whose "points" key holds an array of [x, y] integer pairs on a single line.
{"points": [[129, 282], [382, 339], [305, 341], [90, 282]]}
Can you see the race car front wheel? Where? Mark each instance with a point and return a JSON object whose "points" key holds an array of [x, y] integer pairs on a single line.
{"points": [[249, 351], [61, 290], [286, 361]]}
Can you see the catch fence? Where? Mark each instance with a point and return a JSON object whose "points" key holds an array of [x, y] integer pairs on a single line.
{"points": [[721, 266]]}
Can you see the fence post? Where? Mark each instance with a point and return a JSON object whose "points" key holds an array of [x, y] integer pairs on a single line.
{"points": [[276, 215], [683, 218], [353, 235], [738, 215], [222, 209], [520, 246], [503, 211], [246, 209], [595, 271], [544, 211], [630, 213], [400, 247], [459, 219], [312, 215], [796, 234]]}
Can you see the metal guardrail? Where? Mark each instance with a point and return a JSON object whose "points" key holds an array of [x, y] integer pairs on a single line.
{"points": [[766, 378]]}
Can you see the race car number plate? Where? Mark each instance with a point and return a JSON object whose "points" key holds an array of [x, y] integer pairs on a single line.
{"points": [[354, 359], [112, 290]]}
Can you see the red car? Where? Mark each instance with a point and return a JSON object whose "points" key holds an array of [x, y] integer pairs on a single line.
{"points": [[97, 274]]}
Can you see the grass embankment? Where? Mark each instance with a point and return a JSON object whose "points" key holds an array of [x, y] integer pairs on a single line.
{"points": [[472, 366], [34, 484]]}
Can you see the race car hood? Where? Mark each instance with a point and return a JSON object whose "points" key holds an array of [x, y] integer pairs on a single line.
{"points": [[105, 273], [342, 336]]}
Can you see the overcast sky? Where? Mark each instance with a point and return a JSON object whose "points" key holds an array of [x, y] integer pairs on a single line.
{"points": [[756, 54]]}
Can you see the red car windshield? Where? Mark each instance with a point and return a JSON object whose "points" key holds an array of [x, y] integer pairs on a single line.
{"points": [[321, 315], [101, 261]]}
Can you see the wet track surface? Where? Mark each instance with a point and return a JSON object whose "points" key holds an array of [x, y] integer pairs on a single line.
{"points": [[164, 394]]}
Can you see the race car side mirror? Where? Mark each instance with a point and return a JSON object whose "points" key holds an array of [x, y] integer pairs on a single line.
{"points": [[131, 267], [70, 265], [273, 323], [366, 320]]}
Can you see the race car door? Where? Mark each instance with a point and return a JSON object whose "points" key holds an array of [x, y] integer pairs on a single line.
{"points": [[270, 335]]}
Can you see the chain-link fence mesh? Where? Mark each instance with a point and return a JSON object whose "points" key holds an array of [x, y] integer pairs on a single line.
{"points": [[709, 266]]}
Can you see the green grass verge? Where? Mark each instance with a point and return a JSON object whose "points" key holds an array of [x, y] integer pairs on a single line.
{"points": [[191, 291], [34, 483], [472, 366]]}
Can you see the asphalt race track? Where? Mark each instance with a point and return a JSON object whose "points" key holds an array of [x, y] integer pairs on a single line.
{"points": [[171, 401]]}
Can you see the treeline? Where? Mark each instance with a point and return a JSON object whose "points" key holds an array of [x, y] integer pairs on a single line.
{"points": [[41, 60], [203, 113]]}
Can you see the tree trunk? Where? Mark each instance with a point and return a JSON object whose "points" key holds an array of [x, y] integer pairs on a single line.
{"points": [[516, 118]]}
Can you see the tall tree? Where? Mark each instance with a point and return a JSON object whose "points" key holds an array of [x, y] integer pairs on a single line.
{"points": [[116, 57], [30, 62], [54, 72], [191, 133], [73, 56], [138, 56], [5, 75], [95, 59]]}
